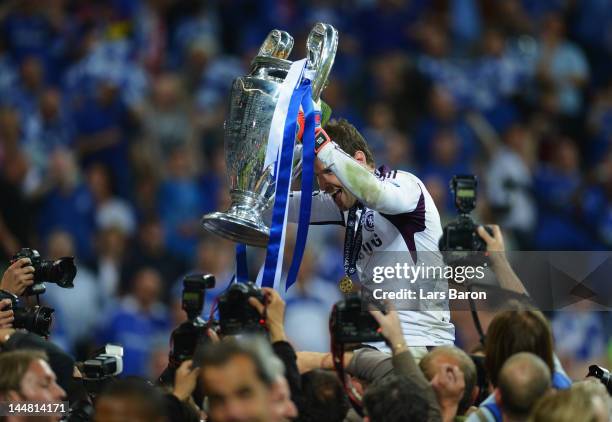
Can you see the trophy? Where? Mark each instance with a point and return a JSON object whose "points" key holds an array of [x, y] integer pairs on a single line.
{"points": [[252, 103]]}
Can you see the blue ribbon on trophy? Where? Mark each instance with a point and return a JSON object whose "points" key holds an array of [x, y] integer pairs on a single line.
{"points": [[302, 95]]}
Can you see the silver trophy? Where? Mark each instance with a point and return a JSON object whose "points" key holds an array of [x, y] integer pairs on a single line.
{"points": [[252, 103]]}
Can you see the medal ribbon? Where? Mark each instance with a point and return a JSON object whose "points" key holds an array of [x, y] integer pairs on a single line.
{"points": [[352, 239]]}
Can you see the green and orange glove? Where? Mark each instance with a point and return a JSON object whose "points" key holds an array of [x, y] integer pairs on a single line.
{"points": [[322, 115]]}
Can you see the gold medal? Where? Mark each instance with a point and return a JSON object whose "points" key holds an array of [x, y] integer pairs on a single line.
{"points": [[346, 284]]}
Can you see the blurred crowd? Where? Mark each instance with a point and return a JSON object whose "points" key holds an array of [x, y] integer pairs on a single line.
{"points": [[111, 141]]}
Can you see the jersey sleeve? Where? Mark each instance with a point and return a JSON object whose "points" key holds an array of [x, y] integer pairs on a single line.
{"points": [[389, 195], [323, 210]]}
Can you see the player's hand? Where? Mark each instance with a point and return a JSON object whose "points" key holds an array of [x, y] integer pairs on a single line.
{"points": [[495, 243], [391, 328], [185, 380], [6, 314], [274, 312], [18, 277]]}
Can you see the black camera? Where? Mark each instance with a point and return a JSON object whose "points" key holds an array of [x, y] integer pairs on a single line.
{"points": [[61, 271], [461, 235], [187, 336], [603, 375], [36, 319], [350, 322], [236, 315]]}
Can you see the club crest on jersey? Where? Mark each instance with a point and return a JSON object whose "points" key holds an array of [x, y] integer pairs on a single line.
{"points": [[369, 220]]}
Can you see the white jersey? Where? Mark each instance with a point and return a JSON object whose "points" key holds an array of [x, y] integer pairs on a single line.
{"points": [[400, 217]]}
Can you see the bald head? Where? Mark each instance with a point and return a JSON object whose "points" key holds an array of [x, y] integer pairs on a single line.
{"points": [[523, 379]]}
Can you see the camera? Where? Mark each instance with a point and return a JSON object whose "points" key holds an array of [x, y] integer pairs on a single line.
{"points": [[603, 375], [61, 271], [460, 235], [236, 315], [186, 337], [350, 322], [36, 319]]}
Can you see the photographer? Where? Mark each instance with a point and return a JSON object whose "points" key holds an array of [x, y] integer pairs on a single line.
{"points": [[274, 313], [25, 376]]}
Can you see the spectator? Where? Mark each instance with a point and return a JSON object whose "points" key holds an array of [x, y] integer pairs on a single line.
{"points": [[138, 322], [110, 209], [569, 406], [523, 379], [451, 355], [239, 381], [562, 65], [102, 121], [25, 376], [130, 399], [69, 204], [83, 303], [509, 184], [324, 399], [394, 398], [180, 204], [150, 251]]}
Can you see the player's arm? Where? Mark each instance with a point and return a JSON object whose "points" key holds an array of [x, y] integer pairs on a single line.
{"points": [[323, 209], [387, 196]]}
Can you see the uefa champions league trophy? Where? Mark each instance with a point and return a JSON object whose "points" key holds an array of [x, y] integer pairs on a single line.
{"points": [[253, 100]]}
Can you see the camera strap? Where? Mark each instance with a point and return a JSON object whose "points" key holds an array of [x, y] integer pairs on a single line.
{"points": [[352, 239]]}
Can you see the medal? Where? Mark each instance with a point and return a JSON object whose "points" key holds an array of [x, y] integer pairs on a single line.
{"points": [[346, 284]]}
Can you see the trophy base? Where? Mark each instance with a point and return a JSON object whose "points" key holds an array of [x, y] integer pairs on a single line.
{"points": [[237, 228]]}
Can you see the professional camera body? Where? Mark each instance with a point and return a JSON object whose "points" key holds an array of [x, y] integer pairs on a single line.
{"points": [[603, 375], [460, 235], [350, 322], [236, 315], [186, 337], [61, 271]]}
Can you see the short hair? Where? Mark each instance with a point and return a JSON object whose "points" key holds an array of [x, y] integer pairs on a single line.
{"points": [[348, 138], [514, 331], [267, 366], [564, 406], [395, 399], [139, 392], [523, 379], [14, 365], [323, 397], [466, 364]]}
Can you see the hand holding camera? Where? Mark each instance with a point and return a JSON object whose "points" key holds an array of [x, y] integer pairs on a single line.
{"points": [[494, 242], [18, 277], [185, 380], [390, 328], [6, 314], [273, 312]]}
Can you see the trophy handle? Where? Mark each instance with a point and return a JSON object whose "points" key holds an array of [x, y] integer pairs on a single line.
{"points": [[322, 45], [277, 44]]}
